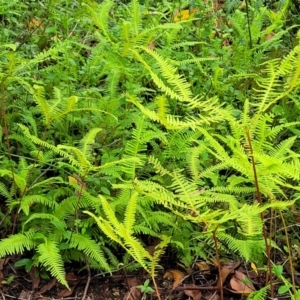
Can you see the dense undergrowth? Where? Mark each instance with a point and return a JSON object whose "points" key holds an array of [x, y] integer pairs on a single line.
{"points": [[174, 122]]}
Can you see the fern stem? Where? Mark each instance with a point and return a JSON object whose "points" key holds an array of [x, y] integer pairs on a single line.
{"points": [[156, 288], [290, 255], [269, 276], [88, 279], [248, 23], [220, 282]]}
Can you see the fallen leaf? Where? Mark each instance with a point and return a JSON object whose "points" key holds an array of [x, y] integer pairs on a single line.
{"points": [[202, 266], [72, 279], [151, 45], [151, 249], [175, 275], [133, 294], [195, 294], [25, 295], [66, 292], [241, 284], [185, 14], [253, 266], [35, 23], [76, 180], [35, 278], [48, 286], [3, 262], [1, 278], [225, 271], [269, 36], [133, 281]]}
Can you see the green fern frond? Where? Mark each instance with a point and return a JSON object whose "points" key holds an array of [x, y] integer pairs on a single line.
{"points": [[22, 140], [243, 247], [129, 220], [51, 259], [45, 182], [17, 243], [20, 181], [100, 16], [179, 84], [43, 216], [260, 294], [271, 88], [28, 201], [90, 248], [38, 141], [136, 17], [88, 141], [157, 165], [109, 213], [143, 229], [4, 191]]}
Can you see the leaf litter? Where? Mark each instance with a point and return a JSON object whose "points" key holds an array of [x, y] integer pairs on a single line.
{"points": [[200, 282]]}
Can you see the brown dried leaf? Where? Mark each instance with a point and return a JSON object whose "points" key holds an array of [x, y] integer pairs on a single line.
{"points": [[72, 279], [1, 278], [48, 286], [35, 278], [269, 36], [151, 45], [3, 262], [133, 281], [175, 275], [25, 295], [151, 249], [133, 294], [66, 292], [225, 271], [203, 266], [195, 294], [241, 284]]}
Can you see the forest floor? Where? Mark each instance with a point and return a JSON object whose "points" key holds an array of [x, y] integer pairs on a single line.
{"points": [[202, 282]]}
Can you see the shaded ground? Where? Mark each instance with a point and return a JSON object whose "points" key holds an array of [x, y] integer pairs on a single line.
{"points": [[202, 282]]}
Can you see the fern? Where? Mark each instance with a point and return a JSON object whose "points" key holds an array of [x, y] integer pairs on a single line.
{"points": [[89, 248], [50, 258], [260, 294], [17, 243]]}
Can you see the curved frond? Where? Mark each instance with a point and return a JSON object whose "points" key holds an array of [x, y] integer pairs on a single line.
{"points": [[51, 259]]}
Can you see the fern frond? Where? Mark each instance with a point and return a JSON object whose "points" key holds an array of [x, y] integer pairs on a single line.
{"points": [[242, 247], [51, 259], [129, 220], [179, 84], [100, 16], [136, 18], [90, 248], [17, 243], [4, 191], [43, 216], [38, 141], [260, 294], [87, 142], [109, 213], [28, 201]]}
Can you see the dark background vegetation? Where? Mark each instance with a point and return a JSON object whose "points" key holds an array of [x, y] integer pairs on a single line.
{"points": [[134, 129]]}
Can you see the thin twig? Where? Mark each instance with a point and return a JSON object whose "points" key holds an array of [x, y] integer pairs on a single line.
{"points": [[87, 281], [220, 285], [290, 255], [3, 296]]}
